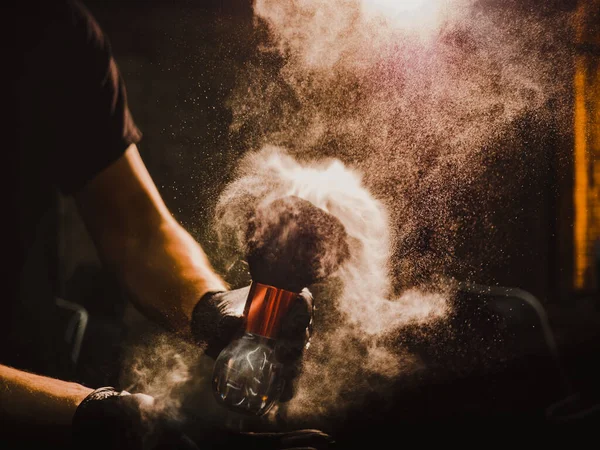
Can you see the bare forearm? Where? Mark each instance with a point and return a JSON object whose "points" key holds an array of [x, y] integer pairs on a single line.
{"points": [[166, 273], [163, 268], [38, 400]]}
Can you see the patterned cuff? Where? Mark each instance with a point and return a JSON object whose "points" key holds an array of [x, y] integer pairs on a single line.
{"points": [[101, 394]]}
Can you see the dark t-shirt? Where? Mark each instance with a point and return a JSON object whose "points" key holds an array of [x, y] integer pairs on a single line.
{"points": [[68, 120]]}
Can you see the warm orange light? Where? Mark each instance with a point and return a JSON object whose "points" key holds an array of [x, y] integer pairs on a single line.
{"points": [[586, 128], [581, 181]]}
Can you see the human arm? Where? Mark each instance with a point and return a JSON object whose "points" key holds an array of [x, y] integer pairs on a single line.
{"points": [[38, 400], [91, 137], [161, 266], [61, 413]]}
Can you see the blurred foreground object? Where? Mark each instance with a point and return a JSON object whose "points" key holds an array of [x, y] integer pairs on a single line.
{"points": [[109, 419]]}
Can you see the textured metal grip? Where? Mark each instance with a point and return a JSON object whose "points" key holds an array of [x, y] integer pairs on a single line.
{"points": [[265, 308]]}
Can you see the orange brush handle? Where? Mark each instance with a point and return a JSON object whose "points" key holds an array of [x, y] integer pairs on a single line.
{"points": [[265, 308]]}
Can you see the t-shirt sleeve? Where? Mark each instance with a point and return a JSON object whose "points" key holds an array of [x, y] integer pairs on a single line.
{"points": [[90, 120]]}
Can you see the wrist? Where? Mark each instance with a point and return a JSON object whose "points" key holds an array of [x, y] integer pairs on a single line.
{"points": [[213, 282], [207, 288], [92, 395], [78, 394]]}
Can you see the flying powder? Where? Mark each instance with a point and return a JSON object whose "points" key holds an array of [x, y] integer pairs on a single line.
{"points": [[398, 118], [356, 308], [423, 98]]}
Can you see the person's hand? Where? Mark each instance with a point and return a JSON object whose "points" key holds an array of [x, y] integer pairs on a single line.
{"points": [[109, 419], [218, 318]]}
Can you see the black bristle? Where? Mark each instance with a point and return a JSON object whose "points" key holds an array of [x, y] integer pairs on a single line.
{"points": [[292, 244]]}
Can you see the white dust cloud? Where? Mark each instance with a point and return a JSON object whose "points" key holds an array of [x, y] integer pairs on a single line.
{"points": [[384, 114], [160, 365], [415, 95], [410, 100], [356, 311]]}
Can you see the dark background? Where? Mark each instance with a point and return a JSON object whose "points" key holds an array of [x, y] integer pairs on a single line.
{"points": [[180, 60]]}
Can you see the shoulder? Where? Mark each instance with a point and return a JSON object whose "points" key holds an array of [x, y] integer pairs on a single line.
{"points": [[79, 28], [76, 42], [83, 23], [67, 14], [67, 24]]}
